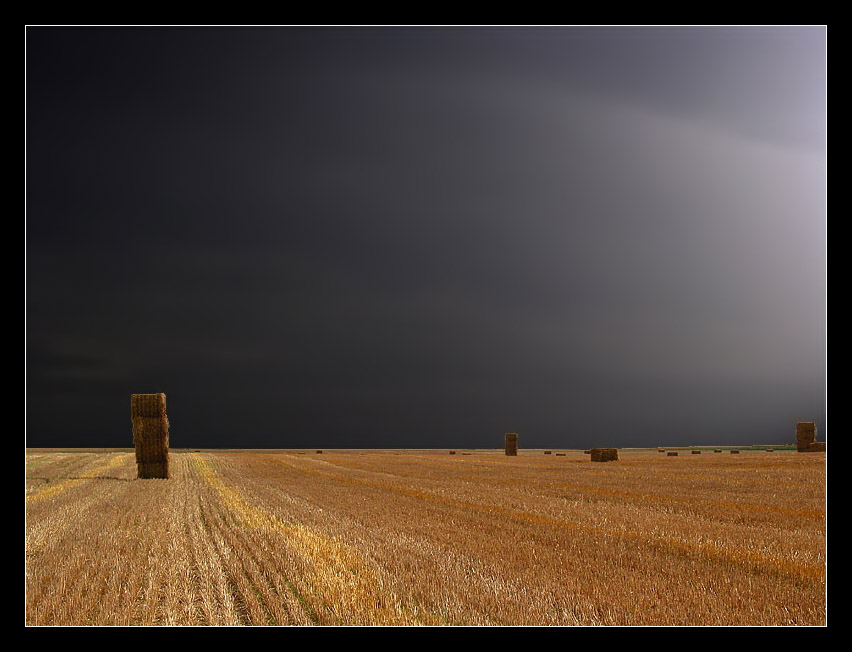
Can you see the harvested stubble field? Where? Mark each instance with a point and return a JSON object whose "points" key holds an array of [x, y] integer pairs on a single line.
{"points": [[421, 537]]}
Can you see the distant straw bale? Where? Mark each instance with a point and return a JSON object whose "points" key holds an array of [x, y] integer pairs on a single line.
{"points": [[696, 452], [805, 435], [717, 450], [560, 454], [452, 452], [587, 452], [547, 452], [604, 454], [150, 434], [735, 452], [661, 450], [770, 450], [672, 454], [319, 453], [806, 430], [806, 442], [511, 443]]}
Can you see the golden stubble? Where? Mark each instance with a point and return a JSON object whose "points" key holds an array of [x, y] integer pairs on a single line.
{"points": [[405, 537]]}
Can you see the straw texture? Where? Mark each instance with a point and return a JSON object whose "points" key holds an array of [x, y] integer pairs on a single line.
{"points": [[604, 454], [806, 442], [511, 443], [150, 434]]}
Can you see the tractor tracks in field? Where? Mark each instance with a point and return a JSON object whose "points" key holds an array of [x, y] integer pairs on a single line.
{"points": [[339, 583]]}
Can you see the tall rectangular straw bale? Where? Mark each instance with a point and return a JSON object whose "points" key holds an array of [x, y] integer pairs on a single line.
{"points": [[150, 434], [806, 434], [511, 443]]}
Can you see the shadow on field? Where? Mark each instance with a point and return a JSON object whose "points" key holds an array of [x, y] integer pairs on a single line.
{"points": [[102, 477], [80, 477]]}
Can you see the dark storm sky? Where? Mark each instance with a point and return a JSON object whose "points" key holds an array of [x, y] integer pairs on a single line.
{"points": [[426, 237]]}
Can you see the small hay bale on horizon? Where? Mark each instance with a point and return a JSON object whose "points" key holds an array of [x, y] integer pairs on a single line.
{"points": [[671, 454], [806, 433], [547, 452], [511, 444], [604, 454], [696, 452], [806, 442], [735, 452]]}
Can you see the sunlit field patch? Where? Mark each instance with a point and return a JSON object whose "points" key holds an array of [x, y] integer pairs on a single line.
{"points": [[423, 538]]}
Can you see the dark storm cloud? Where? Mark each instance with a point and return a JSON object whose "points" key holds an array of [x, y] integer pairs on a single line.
{"points": [[426, 237]]}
